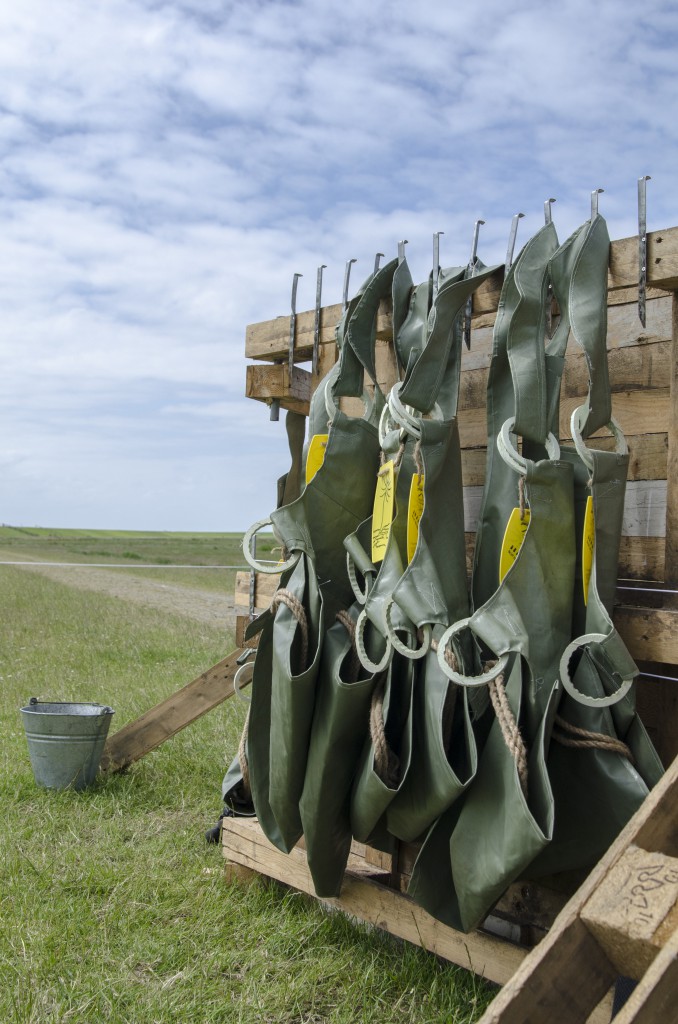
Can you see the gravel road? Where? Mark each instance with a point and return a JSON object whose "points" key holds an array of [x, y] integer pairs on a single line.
{"points": [[206, 606]]}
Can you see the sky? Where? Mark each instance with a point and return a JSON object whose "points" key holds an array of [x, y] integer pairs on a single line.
{"points": [[167, 166]]}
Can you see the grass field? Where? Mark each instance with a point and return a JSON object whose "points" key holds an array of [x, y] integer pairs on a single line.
{"points": [[112, 906]]}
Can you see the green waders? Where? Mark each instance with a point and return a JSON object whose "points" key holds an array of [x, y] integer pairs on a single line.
{"points": [[474, 850], [314, 584], [601, 761], [408, 753]]}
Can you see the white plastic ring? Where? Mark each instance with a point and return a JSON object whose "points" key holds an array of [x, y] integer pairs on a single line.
{"points": [[471, 681], [365, 660], [583, 698], [408, 652], [359, 594], [512, 457], [402, 414], [273, 568], [332, 408], [584, 454], [239, 681]]}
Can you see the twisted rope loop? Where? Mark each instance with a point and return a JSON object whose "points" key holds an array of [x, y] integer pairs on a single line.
{"points": [[349, 625], [509, 728], [592, 740], [286, 597], [386, 762]]}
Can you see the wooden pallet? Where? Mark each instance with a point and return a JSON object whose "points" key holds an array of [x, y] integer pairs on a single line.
{"points": [[622, 921]]}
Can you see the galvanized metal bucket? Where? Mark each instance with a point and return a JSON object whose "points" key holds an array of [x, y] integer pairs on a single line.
{"points": [[65, 741]]}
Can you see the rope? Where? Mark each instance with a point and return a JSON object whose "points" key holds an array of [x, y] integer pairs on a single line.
{"points": [[286, 597], [449, 655], [521, 496], [590, 740], [417, 460], [509, 727], [386, 763], [242, 759], [349, 625]]}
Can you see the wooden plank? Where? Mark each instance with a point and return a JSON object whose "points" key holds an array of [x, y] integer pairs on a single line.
{"points": [[564, 977], [268, 381], [671, 555], [631, 368], [634, 909], [374, 903], [166, 719], [269, 339], [265, 586], [656, 995], [662, 261], [641, 558], [649, 634], [644, 508]]}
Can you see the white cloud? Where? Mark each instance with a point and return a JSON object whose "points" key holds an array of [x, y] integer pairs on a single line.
{"points": [[167, 166]]}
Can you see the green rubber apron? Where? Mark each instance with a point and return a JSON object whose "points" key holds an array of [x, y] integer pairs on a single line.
{"points": [[343, 698], [601, 761], [314, 584], [418, 589], [521, 624]]}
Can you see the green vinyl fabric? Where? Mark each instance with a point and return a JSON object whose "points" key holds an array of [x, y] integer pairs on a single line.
{"points": [[475, 850], [311, 530], [597, 787], [408, 772]]}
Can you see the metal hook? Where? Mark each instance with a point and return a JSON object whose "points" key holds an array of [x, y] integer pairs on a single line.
{"points": [[468, 311], [316, 322], [347, 277], [594, 201], [275, 404], [436, 263], [642, 248], [512, 241], [547, 210], [401, 250], [377, 261]]}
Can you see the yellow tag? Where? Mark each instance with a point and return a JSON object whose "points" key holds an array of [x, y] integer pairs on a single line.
{"points": [[316, 455], [514, 535], [588, 544], [415, 508], [382, 515]]}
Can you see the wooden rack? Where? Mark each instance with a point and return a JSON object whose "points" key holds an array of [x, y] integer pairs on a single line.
{"points": [[644, 377]]}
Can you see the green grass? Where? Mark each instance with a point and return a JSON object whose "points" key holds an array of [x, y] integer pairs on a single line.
{"points": [[112, 906], [127, 547]]}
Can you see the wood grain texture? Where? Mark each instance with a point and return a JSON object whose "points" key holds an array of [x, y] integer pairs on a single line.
{"points": [[362, 898], [166, 719]]}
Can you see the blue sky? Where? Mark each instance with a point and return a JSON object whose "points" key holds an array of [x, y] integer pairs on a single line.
{"points": [[167, 167]]}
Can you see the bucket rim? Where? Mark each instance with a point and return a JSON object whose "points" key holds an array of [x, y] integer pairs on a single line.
{"points": [[41, 707]]}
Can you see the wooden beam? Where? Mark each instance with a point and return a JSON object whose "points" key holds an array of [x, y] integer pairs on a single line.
{"points": [[266, 381], [564, 977], [655, 997], [662, 261], [649, 634], [671, 553], [166, 719], [634, 910]]}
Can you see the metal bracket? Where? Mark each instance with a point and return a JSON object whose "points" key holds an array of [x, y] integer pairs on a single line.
{"points": [[642, 248], [347, 278], [548, 219], [401, 250], [512, 241], [253, 578], [293, 321], [377, 261], [316, 322], [594, 201], [468, 311], [547, 210], [436, 264]]}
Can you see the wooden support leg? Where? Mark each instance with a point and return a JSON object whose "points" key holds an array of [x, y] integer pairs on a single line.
{"points": [[166, 719]]}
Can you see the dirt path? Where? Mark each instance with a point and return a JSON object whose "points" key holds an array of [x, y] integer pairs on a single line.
{"points": [[206, 606]]}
